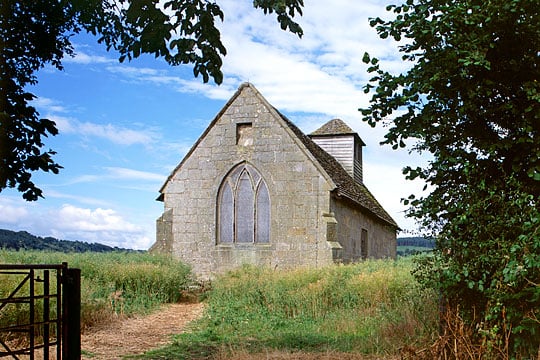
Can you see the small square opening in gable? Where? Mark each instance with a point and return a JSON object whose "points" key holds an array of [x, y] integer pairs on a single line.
{"points": [[244, 134]]}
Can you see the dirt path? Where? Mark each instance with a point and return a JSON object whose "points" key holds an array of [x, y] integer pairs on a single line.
{"points": [[137, 335]]}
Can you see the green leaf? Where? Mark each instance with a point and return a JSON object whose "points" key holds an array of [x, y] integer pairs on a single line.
{"points": [[366, 58], [469, 100]]}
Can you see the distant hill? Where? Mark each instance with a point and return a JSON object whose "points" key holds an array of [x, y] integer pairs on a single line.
{"points": [[23, 240], [413, 245], [419, 241]]}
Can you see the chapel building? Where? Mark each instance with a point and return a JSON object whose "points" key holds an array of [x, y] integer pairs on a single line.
{"points": [[254, 189]]}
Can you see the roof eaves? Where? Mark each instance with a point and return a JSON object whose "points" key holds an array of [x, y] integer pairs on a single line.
{"points": [[345, 184]]}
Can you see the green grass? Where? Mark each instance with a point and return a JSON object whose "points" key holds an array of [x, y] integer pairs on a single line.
{"points": [[112, 284], [374, 307]]}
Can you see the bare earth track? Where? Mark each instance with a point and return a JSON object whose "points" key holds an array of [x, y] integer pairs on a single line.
{"points": [[137, 335]]}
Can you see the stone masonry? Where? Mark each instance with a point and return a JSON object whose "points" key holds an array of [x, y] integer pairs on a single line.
{"points": [[305, 216]]}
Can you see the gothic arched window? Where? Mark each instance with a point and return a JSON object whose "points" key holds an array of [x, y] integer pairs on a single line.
{"points": [[243, 206]]}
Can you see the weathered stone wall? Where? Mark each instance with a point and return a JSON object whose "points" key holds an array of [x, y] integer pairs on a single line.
{"points": [[164, 236], [298, 195], [381, 241]]}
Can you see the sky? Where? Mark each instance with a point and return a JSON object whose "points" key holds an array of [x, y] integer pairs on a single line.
{"points": [[123, 127]]}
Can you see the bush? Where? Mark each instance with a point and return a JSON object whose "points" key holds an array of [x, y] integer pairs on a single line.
{"points": [[489, 265]]}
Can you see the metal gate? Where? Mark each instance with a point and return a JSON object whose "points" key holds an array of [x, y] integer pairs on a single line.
{"points": [[40, 314]]}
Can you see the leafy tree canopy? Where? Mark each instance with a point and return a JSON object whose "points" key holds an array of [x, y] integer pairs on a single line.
{"points": [[471, 98], [35, 33]]}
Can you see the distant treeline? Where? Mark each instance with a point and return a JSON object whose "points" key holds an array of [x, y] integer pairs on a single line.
{"points": [[22, 240], [414, 245], [416, 241]]}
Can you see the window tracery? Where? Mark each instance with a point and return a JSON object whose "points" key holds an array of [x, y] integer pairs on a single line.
{"points": [[243, 207]]}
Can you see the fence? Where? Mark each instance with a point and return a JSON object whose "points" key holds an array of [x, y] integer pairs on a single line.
{"points": [[49, 297]]}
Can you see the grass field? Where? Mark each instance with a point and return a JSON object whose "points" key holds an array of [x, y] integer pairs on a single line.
{"points": [[112, 284], [374, 307]]}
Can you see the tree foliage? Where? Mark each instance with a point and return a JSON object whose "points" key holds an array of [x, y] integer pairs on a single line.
{"points": [[471, 98], [36, 33]]}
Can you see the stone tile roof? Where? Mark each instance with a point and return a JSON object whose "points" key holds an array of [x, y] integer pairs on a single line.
{"points": [[346, 185], [334, 127]]}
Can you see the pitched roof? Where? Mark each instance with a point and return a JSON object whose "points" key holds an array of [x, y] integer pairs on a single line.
{"points": [[336, 127], [346, 186]]}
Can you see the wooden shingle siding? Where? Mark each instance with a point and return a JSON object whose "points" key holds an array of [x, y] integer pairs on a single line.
{"points": [[358, 171], [341, 148]]}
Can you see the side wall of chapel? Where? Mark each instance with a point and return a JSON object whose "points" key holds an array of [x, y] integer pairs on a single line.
{"points": [[381, 240]]}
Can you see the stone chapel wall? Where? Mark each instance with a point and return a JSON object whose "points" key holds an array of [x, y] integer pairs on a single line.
{"points": [[381, 240], [298, 195]]}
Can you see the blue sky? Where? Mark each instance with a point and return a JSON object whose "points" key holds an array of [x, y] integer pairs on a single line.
{"points": [[124, 127]]}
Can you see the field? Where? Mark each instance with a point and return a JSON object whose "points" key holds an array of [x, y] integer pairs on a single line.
{"points": [[112, 284], [374, 307]]}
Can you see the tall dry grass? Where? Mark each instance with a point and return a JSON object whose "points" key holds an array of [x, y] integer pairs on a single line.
{"points": [[112, 284], [374, 307], [459, 340]]}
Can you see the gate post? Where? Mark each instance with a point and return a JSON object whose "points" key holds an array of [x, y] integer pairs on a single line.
{"points": [[71, 317]]}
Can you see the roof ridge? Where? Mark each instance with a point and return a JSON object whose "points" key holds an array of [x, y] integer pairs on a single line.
{"points": [[334, 127], [346, 185]]}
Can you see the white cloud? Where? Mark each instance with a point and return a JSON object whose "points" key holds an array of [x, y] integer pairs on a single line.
{"points": [[64, 124], [124, 174], [80, 219], [86, 59], [135, 72], [86, 178], [322, 72], [177, 83], [11, 213], [49, 105], [115, 134], [99, 225], [131, 174], [50, 193]]}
